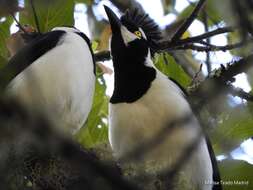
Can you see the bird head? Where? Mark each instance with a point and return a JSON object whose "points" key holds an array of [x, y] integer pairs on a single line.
{"points": [[133, 35]]}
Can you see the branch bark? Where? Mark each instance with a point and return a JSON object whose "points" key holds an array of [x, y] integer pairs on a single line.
{"points": [[188, 21], [220, 83]]}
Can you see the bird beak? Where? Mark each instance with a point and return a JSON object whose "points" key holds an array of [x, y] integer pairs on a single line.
{"points": [[113, 19]]}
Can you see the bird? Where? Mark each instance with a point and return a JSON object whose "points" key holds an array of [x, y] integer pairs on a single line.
{"points": [[54, 75], [144, 101]]}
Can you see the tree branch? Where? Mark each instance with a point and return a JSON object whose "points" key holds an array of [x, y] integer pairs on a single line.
{"points": [[48, 141], [165, 45], [235, 91], [237, 67], [102, 56], [210, 47], [207, 90], [207, 35], [208, 62], [36, 19], [188, 21]]}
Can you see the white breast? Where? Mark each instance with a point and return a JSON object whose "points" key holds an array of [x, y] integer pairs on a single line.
{"points": [[133, 123], [60, 83]]}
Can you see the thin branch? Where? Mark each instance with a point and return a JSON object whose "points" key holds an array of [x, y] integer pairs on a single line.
{"points": [[35, 17], [208, 15], [208, 62], [19, 25], [210, 47], [164, 45], [220, 82], [237, 67], [226, 47], [235, 91], [196, 76], [207, 35], [188, 21], [102, 56]]}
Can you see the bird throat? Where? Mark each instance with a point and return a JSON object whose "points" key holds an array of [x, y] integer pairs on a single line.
{"points": [[132, 80]]}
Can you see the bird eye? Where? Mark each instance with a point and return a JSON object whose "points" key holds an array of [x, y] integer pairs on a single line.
{"points": [[138, 34]]}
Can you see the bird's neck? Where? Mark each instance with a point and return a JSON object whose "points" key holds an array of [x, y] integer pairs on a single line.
{"points": [[133, 78]]}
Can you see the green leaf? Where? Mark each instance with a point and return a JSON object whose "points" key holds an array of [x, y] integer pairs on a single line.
{"points": [[50, 13], [95, 130], [167, 65], [236, 175], [235, 126], [94, 45]]}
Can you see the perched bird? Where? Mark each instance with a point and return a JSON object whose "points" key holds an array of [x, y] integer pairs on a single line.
{"points": [[54, 74], [145, 101]]}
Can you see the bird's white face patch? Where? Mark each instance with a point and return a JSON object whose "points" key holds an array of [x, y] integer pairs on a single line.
{"points": [[66, 29], [143, 34], [127, 35]]}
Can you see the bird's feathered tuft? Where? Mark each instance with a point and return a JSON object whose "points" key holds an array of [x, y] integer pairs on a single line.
{"points": [[140, 19]]}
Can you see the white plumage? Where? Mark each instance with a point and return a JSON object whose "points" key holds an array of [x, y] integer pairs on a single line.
{"points": [[132, 124], [60, 83]]}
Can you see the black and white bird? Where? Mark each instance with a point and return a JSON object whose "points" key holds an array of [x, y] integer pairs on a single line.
{"points": [[144, 101], [54, 74]]}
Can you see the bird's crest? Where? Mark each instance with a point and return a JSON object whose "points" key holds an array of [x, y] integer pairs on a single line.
{"points": [[142, 20]]}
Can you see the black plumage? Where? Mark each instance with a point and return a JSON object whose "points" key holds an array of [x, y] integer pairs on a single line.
{"points": [[135, 18], [37, 47]]}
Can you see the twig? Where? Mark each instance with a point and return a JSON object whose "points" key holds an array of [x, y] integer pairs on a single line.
{"points": [[209, 16], [102, 56], [188, 21], [35, 17], [197, 74], [165, 45], [220, 82], [210, 47], [208, 63], [235, 91], [207, 35], [236, 68], [19, 25]]}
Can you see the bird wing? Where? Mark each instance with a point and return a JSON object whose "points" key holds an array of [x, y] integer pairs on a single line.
{"points": [[216, 174], [27, 55]]}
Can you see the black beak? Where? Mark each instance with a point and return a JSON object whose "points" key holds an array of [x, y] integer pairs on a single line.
{"points": [[114, 20]]}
